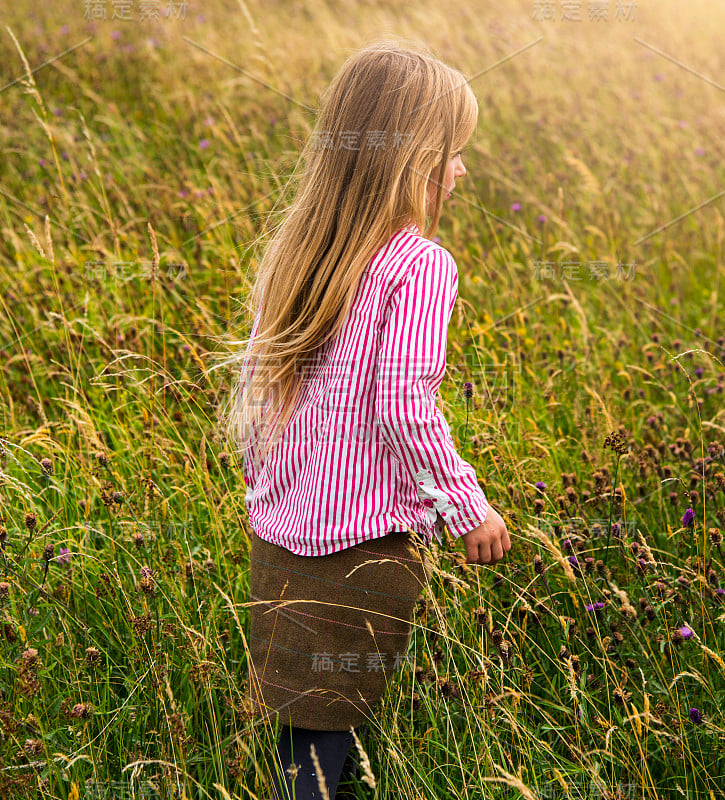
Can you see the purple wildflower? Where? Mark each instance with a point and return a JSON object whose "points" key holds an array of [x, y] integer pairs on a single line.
{"points": [[594, 606], [688, 517], [437, 239], [699, 151], [699, 371], [516, 206], [573, 561], [542, 217], [685, 632], [115, 34], [696, 716], [64, 558], [540, 485], [203, 144]]}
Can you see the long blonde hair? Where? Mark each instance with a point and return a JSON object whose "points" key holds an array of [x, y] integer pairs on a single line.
{"points": [[389, 117]]}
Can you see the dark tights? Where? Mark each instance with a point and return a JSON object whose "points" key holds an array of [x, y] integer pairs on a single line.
{"points": [[332, 749]]}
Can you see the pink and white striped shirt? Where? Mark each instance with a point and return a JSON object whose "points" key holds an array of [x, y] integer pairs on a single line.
{"points": [[368, 451]]}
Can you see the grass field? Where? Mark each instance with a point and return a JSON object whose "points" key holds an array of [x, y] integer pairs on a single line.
{"points": [[142, 162]]}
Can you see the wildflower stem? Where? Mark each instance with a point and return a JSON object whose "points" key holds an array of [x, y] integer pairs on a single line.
{"points": [[611, 509]]}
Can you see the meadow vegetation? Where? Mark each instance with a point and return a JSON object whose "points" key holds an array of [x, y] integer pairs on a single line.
{"points": [[140, 173]]}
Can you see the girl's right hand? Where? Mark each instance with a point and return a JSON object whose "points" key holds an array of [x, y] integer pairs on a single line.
{"points": [[487, 543]]}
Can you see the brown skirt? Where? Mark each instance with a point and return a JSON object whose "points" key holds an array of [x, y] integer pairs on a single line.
{"points": [[323, 663]]}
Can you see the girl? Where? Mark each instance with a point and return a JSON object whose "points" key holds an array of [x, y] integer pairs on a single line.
{"points": [[349, 465]]}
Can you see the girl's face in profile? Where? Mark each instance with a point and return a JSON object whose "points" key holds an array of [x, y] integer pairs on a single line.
{"points": [[454, 169]]}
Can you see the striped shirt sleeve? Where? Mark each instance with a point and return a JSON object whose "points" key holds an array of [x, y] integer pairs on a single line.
{"points": [[411, 365]]}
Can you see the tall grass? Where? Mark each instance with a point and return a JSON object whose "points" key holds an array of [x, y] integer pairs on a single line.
{"points": [[140, 173]]}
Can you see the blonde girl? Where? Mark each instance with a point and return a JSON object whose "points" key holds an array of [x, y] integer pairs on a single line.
{"points": [[349, 465]]}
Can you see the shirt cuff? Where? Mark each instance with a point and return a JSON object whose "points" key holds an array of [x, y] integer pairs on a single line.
{"points": [[436, 501]]}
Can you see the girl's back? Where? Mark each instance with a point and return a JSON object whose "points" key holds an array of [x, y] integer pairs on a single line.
{"points": [[349, 465]]}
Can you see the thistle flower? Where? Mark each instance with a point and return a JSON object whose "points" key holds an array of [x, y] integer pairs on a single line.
{"points": [[505, 650], [29, 658], [685, 632], [621, 696], [540, 485], [695, 716], [147, 582], [31, 521], [468, 390], [82, 710], [643, 565], [688, 518], [616, 442], [47, 466], [538, 565], [64, 558]]}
